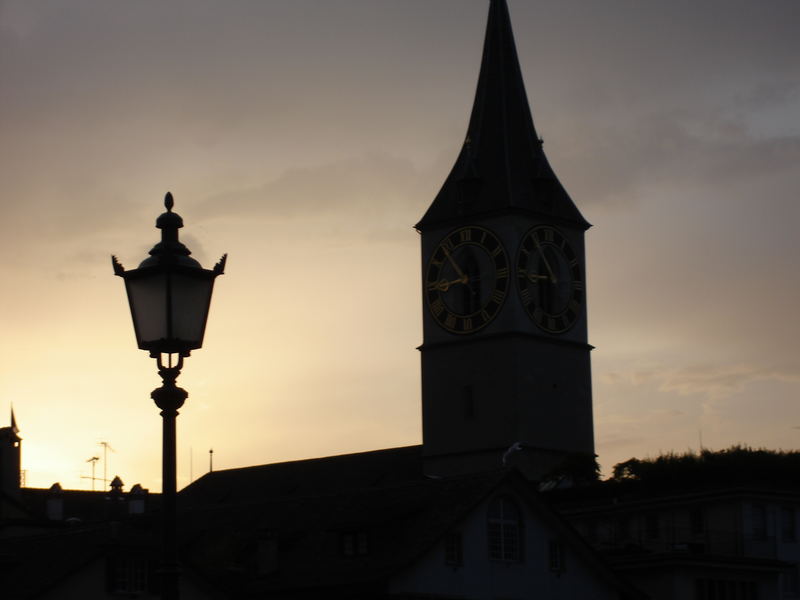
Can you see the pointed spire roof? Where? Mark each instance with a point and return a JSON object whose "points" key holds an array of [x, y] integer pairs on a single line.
{"points": [[502, 166], [12, 431]]}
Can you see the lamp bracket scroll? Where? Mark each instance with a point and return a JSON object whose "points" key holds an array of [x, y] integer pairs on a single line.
{"points": [[219, 268], [119, 270]]}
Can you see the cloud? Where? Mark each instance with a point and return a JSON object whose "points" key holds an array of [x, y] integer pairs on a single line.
{"points": [[619, 164], [377, 189], [721, 382], [714, 382]]}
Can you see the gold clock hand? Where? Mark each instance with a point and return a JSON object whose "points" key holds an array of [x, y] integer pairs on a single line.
{"points": [[461, 277], [553, 278], [443, 285], [533, 278]]}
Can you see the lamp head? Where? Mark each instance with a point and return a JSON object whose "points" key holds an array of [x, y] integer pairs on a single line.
{"points": [[169, 293]]}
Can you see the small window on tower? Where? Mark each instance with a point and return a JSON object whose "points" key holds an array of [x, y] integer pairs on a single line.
{"points": [[468, 401]]}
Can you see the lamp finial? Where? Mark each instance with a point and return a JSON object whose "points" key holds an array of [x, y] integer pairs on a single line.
{"points": [[169, 202]]}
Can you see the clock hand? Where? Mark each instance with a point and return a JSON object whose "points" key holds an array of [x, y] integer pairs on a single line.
{"points": [[553, 278], [443, 285], [533, 277], [461, 277]]}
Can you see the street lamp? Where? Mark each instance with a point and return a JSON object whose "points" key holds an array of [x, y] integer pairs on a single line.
{"points": [[169, 296]]}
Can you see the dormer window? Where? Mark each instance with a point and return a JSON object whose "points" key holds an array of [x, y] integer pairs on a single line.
{"points": [[54, 505], [504, 529]]}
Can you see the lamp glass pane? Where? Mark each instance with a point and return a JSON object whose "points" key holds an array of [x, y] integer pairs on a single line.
{"points": [[148, 299], [191, 297]]}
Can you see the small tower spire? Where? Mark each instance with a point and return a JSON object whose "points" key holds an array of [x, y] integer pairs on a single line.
{"points": [[502, 165]]}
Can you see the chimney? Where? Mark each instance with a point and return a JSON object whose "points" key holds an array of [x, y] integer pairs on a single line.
{"points": [[54, 504], [137, 499]]}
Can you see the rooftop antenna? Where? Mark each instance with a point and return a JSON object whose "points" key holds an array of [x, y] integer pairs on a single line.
{"points": [[106, 447], [210, 460], [92, 460]]}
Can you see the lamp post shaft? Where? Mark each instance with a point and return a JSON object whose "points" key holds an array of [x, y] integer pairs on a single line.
{"points": [[169, 398], [169, 549]]}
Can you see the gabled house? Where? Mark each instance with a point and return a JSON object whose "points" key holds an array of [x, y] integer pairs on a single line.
{"points": [[372, 525]]}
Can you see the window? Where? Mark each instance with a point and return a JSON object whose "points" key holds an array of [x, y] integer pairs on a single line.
{"points": [[591, 530], [127, 575], [453, 553], [468, 401], [504, 530], [266, 553], [556, 556], [790, 582], [651, 528], [759, 515], [720, 589], [354, 543], [788, 528], [697, 520], [623, 529]]}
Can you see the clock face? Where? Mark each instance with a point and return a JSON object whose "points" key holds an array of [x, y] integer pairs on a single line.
{"points": [[467, 279], [550, 279]]}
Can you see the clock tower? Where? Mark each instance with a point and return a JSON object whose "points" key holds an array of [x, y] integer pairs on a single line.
{"points": [[505, 359]]}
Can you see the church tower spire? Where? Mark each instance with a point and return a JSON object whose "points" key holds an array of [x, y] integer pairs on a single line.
{"points": [[505, 358], [502, 165]]}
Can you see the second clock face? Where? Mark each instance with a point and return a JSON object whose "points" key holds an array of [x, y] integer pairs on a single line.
{"points": [[550, 279], [467, 279]]}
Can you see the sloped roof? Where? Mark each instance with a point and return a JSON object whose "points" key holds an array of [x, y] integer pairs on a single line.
{"points": [[303, 477], [502, 166], [84, 505]]}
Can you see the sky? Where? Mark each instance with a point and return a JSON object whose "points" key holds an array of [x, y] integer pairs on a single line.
{"points": [[306, 137]]}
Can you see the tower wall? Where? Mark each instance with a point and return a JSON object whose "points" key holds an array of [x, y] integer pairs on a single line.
{"points": [[10, 463], [481, 397]]}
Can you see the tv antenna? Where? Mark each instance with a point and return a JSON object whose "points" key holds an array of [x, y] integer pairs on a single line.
{"points": [[106, 447], [92, 460]]}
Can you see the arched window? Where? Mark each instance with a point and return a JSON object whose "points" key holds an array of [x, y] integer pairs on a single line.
{"points": [[504, 523]]}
